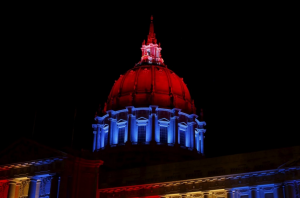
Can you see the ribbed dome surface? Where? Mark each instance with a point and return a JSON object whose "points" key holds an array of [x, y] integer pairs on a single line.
{"points": [[147, 85]]}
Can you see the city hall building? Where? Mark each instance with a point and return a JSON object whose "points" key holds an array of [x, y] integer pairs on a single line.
{"points": [[149, 143]]}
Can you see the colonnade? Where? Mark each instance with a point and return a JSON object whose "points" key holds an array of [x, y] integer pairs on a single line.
{"points": [[289, 189], [33, 187], [107, 128]]}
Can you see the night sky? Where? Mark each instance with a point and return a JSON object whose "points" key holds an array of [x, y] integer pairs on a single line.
{"points": [[237, 63]]}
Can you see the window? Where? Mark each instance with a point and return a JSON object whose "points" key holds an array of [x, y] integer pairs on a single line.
{"points": [[182, 138], [244, 196], [121, 135], [164, 135], [141, 133], [269, 195], [105, 139]]}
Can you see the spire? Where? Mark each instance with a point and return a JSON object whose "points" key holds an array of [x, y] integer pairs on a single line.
{"points": [[151, 35], [151, 51]]}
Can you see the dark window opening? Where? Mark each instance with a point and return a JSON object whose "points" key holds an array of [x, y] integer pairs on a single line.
{"points": [[121, 135], [182, 138], [142, 134], [164, 135]]}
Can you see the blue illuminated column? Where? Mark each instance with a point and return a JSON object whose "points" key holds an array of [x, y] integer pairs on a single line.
{"points": [[98, 136], [104, 130], [202, 141], [192, 135], [258, 192], [129, 125], [58, 185], [153, 123], [34, 188], [94, 141], [197, 142], [109, 132], [94, 126], [176, 131]]}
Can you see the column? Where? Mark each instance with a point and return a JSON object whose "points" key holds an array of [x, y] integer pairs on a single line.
{"points": [[283, 190], [4, 185], [94, 142], [109, 132], [194, 137], [102, 136], [258, 193], [153, 128], [176, 116], [153, 120], [58, 184], [34, 188], [17, 191], [202, 142], [98, 136], [12, 189], [129, 109], [176, 131]]}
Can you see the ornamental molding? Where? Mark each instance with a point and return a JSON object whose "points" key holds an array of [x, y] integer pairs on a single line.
{"points": [[31, 168], [121, 123], [236, 182]]}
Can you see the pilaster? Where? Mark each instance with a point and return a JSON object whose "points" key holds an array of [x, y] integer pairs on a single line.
{"points": [[130, 110], [98, 136], [94, 141], [34, 188], [12, 189], [176, 116], [153, 114], [202, 142]]}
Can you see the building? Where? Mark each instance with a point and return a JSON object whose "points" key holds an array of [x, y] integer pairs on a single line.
{"points": [[149, 144]]}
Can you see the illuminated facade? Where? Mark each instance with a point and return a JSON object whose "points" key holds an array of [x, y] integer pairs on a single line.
{"points": [[150, 104], [152, 145]]}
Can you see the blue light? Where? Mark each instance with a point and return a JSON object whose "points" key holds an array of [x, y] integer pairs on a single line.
{"points": [[140, 125]]}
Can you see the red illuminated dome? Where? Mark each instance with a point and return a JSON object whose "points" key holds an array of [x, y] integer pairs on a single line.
{"points": [[150, 82]]}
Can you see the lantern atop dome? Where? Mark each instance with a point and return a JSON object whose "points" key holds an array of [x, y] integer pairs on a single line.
{"points": [[151, 51]]}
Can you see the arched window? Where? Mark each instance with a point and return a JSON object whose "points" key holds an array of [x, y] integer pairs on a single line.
{"points": [[141, 133], [163, 134], [121, 135]]}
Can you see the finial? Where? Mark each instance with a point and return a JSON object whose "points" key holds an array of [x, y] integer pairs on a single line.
{"points": [[151, 17]]}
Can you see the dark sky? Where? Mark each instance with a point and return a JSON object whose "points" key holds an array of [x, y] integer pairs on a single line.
{"points": [[236, 61]]}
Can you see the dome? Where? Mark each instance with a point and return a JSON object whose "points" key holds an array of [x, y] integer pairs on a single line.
{"points": [[150, 82], [146, 85]]}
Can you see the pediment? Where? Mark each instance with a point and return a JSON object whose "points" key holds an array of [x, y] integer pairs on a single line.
{"points": [[164, 120], [121, 121], [27, 150], [183, 124], [142, 119]]}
